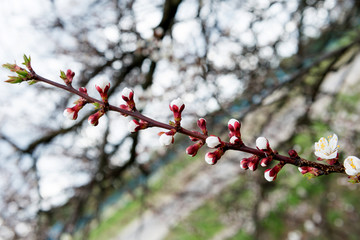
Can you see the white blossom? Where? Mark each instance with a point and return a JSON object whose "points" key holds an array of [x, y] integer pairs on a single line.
{"points": [[233, 121], [166, 140], [213, 141], [132, 126], [352, 165], [103, 83], [262, 143], [268, 177], [69, 113], [327, 148], [209, 158], [177, 102], [126, 92]]}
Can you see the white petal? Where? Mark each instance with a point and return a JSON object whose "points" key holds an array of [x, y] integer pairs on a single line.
{"points": [[333, 142], [69, 114], [177, 102], [103, 83], [213, 141], [165, 139], [126, 92], [232, 121], [322, 155], [233, 139], [261, 143], [208, 160], [267, 176], [132, 126]]}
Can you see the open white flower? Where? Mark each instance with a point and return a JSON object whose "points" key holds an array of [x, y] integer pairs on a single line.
{"points": [[352, 166], [327, 148]]}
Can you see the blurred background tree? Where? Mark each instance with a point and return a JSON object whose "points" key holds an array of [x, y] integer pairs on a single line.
{"points": [[287, 69]]}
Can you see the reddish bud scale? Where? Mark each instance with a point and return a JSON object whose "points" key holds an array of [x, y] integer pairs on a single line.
{"points": [[234, 131], [128, 97], [177, 106], [69, 77], [250, 163], [202, 125], [94, 119], [212, 157], [193, 149], [266, 161], [271, 174]]}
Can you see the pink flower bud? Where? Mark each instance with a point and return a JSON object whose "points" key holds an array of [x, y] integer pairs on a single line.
{"points": [[103, 87], [262, 143], [244, 163], [202, 125], [133, 126], [265, 161], [213, 141], [69, 75], [250, 163], [293, 154], [234, 125], [127, 94], [177, 106], [94, 119], [271, 174], [166, 139], [193, 149], [212, 157], [83, 90], [234, 140], [70, 113]]}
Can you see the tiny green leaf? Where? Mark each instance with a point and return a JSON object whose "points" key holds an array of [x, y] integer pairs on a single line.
{"points": [[22, 73], [63, 75], [27, 61], [13, 79], [97, 105], [31, 82]]}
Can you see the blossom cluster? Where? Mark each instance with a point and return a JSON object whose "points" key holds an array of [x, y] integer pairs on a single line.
{"points": [[326, 149]]}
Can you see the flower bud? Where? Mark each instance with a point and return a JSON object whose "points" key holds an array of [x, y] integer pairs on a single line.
{"points": [[70, 113], [212, 157], [244, 163], [234, 140], [250, 163], [135, 125], [103, 87], [193, 149], [128, 95], [177, 106], [262, 143], [202, 125], [234, 125], [266, 161], [352, 166], [213, 141], [94, 119], [69, 76], [166, 138], [271, 174]]}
